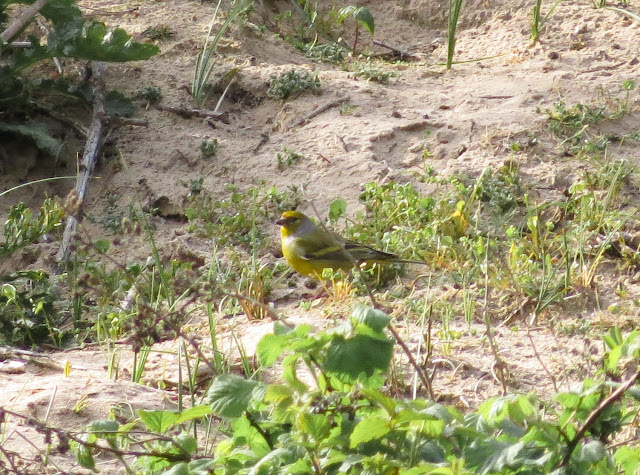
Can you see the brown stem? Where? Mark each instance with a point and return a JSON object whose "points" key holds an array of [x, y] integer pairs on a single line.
{"points": [[593, 416], [24, 17]]}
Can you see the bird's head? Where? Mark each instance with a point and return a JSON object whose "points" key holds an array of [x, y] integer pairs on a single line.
{"points": [[294, 223]]}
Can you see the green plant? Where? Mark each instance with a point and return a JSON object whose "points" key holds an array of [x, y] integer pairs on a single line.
{"points": [[284, 86], [326, 53], [366, 71], [502, 189], [209, 148], [362, 16], [452, 24], [29, 314], [22, 229], [159, 32], [288, 158], [230, 219], [345, 421], [538, 20], [206, 60], [69, 36], [150, 94]]}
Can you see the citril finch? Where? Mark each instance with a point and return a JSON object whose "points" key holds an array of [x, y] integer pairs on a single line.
{"points": [[309, 248]]}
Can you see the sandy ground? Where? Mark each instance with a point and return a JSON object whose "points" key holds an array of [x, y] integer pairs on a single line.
{"points": [[473, 112]]}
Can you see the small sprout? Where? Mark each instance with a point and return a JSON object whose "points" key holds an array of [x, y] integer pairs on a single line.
{"points": [[288, 158], [209, 148], [151, 94], [348, 109]]}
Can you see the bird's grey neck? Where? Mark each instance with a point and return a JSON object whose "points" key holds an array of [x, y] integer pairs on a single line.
{"points": [[306, 227]]}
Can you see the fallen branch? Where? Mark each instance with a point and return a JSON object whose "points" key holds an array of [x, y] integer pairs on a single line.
{"points": [[401, 52], [91, 151], [303, 120], [188, 113], [24, 17]]}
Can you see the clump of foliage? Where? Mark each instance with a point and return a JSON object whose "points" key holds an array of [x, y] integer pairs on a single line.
{"points": [[21, 228], [209, 148], [371, 73], [347, 422], [288, 158], [292, 82], [324, 52], [159, 32], [70, 36], [234, 219], [28, 314]]}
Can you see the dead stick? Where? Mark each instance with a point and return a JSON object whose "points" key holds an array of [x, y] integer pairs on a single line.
{"points": [[399, 51], [91, 151], [318, 111], [24, 17], [188, 113]]}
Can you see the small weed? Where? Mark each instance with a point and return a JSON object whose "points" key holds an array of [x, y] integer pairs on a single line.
{"points": [[209, 148], [370, 73], [348, 109], [288, 158], [609, 175], [159, 33], [568, 121], [229, 220], [21, 228], [284, 86], [150, 94], [29, 314], [325, 53], [502, 189]]}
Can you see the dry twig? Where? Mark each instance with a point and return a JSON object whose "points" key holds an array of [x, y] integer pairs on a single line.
{"points": [[91, 151]]}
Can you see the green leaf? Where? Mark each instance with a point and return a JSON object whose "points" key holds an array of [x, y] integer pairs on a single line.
{"points": [[102, 245], [195, 412], [179, 469], [337, 208], [94, 42], [230, 395], [361, 15], [84, 454], [360, 354], [271, 346], [37, 132], [117, 104], [316, 425], [365, 18], [628, 458], [104, 428], [377, 320], [61, 11], [186, 442], [158, 421], [368, 429], [593, 451]]}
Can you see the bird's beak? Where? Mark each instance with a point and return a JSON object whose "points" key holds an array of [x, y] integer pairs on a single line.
{"points": [[280, 222]]}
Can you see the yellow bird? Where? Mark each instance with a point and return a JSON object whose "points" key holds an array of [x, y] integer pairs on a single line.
{"points": [[309, 248]]}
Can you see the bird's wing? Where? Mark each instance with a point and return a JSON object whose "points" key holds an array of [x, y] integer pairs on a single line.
{"points": [[361, 253], [327, 248]]}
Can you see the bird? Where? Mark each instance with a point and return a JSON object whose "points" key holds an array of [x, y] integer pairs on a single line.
{"points": [[309, 248]]}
